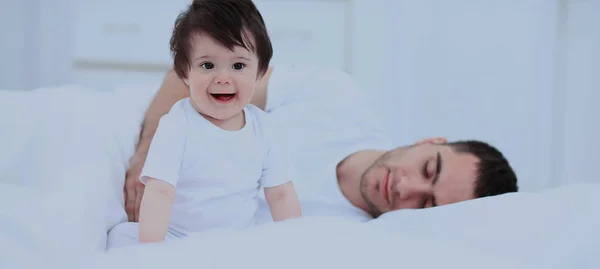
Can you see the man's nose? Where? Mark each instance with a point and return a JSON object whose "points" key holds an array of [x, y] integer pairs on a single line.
{"points": [[408, 188]]}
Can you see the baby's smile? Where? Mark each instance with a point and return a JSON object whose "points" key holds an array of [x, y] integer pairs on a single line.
{"points": [[223, 97]]}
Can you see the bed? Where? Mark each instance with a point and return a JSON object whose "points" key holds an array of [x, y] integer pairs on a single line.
{"points": [[61, 169]]}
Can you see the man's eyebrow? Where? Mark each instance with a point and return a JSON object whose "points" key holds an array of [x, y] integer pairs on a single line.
{"points": [[438, 170]]}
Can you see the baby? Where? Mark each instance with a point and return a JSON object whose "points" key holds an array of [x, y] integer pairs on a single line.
{"points": [[212, 151]]}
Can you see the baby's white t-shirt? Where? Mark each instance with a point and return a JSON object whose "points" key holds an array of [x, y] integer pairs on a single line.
{"points": [[217, 173]]}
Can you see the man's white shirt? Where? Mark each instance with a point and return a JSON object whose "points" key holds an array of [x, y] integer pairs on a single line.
{"points": [[321, 117]]}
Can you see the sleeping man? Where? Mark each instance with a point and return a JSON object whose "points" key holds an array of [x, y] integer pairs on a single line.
{"points": [[346, 165]]}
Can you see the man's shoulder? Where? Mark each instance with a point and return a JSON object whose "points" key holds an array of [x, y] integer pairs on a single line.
{"points": [[258, 117], [254, 110], [260, 122], [295, 77], [306, 69]]}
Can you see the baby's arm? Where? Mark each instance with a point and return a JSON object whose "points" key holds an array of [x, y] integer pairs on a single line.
{"points": [[283, 201], [277, 178], [155, 210], [160, 174]]}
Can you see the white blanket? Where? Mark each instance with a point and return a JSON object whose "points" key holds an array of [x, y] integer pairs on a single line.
{"points": [[318, 242], [40, 229], [552, 229], [56, 217]]}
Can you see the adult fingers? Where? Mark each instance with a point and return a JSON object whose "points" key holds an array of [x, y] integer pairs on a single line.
{"points": [[436, 140], [130, 196], [139, 193]]}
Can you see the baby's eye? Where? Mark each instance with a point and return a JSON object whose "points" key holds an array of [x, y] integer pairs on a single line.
{"points": [[238, 66], [207, 65]]}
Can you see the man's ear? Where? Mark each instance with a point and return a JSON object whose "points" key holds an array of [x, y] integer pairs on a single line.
{"points": [[436, 140]]}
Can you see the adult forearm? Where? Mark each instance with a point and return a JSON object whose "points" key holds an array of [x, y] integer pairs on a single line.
{"points": [[148, 130], [172, 90]]}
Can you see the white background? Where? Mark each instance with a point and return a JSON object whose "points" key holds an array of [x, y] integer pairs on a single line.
{"points": [[521, 74]]}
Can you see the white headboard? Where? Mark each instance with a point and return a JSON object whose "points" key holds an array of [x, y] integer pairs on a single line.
{"points": [[132, 44]]}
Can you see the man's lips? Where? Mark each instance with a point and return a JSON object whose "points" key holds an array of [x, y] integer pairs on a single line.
{"points": [[384, 187]]}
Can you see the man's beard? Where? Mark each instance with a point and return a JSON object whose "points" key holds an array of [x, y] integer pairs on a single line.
{"points": [[373, 210]]}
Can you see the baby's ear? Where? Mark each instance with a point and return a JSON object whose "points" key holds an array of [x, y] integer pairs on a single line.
{"points": [[436, 140]]}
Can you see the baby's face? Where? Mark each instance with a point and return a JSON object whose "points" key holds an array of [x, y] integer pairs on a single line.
{"points": [[221, 81]]}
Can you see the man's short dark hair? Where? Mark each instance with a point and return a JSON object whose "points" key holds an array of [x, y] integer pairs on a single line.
{"points": [[230, 22], [495, 176]]}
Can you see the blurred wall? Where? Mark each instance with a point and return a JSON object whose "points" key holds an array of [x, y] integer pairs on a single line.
{"points": [[580, 134], [521, 74], [14, 36], [468, 69]]}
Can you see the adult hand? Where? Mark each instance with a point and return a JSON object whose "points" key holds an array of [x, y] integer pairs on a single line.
{"points": [[134, 189], [436, 140]]}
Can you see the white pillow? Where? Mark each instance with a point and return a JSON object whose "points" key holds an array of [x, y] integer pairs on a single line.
{"points": [[56, 144], [557, 227], [126, 105], [20, 126]]}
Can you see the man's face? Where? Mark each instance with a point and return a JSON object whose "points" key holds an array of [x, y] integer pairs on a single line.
{"points": [[420, 176]]}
